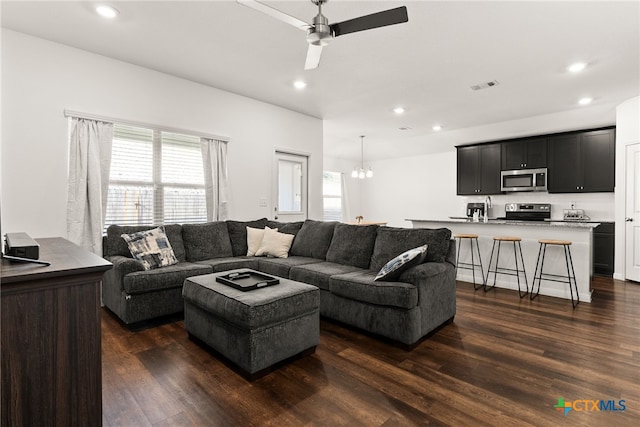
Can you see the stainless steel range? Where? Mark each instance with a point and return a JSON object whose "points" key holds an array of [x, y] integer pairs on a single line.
{"points": [[527, 211]]}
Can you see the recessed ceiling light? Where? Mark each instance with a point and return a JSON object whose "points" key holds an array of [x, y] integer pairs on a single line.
{"points": [[437, 128], [576, 67], [106, 11], [299, 84], [585, 101], [398, 110]]}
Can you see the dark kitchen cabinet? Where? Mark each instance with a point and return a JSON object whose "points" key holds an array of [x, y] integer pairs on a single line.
{"points": [[478, 169], [604, 248], [582, 162], [524, 154]]}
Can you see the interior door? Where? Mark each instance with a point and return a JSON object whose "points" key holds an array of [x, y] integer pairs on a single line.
{"points": [[632, 230], [290, 187]]}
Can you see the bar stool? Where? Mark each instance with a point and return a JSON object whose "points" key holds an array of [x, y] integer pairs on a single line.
{"points": [[517, 248], [472, 265], [569, 278]]}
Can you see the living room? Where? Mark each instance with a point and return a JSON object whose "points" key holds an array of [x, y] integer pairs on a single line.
{"points": [[43, 76]]}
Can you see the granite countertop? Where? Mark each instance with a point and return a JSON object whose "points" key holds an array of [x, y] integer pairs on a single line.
{"points": [[552, 223]]}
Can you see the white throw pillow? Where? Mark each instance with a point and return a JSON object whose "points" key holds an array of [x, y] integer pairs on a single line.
{"points": [[254, 239], [275, 244]]}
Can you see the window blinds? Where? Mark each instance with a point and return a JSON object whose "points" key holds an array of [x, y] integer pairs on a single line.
{"points": [[156, 177]]}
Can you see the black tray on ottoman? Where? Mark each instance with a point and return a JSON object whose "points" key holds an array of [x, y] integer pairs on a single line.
{"points": [[247, 280]]}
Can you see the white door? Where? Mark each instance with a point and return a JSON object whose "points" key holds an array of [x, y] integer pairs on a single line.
{"points": [[632, 214], [290, 187]]}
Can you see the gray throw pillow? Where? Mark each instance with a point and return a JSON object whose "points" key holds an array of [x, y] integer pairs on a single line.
{"points": [[352, 245]]}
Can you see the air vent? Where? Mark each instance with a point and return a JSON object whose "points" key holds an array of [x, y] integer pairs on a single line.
{"points": [[485, 85]]}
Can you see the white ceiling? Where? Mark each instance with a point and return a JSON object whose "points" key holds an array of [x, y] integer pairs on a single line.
{"points": [[426, 65]]}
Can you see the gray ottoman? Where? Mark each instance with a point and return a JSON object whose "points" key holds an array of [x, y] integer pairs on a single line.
{"points": [[255, 329]]}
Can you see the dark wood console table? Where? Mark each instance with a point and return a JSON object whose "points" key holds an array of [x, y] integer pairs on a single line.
{"points": [[50, 345]]}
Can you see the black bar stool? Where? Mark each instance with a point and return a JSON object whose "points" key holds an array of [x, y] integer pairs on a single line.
{"points": [[472, 265], [517, 249], [570, 278]]}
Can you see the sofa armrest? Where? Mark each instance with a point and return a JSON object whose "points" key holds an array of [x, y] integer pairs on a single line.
{"points": [[436, 283], [121, 267]]}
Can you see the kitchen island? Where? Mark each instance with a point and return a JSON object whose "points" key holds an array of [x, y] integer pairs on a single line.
{"points": [[580, 233]]}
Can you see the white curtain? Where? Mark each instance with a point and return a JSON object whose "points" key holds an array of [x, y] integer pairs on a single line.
{"points": [[214, 159], [89, 164], [346, 211]]}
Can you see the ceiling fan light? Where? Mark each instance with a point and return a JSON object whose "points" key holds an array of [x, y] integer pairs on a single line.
{"points": [[106, 11], [576, 67]]}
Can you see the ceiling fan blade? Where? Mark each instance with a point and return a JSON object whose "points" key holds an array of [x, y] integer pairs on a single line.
{"points": [[313, 57], [275, 13], [367, 22]]}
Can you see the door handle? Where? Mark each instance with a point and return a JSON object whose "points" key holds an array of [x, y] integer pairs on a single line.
{"points": [[629, 219]]}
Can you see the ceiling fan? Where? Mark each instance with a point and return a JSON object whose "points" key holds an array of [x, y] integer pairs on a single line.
{"points": [[320, 32]]}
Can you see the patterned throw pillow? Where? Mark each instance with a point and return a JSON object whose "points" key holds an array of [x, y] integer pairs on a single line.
{"points": [[151, 248], [394, 268]]}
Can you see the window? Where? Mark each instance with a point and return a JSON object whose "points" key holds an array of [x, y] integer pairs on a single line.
{"points": [[156, 177], [332, 196]]}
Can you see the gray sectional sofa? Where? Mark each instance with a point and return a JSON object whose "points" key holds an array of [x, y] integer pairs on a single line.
{"points": [[340, 259]]}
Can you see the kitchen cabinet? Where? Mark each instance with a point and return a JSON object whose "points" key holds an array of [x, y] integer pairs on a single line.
{"points": [[478, 169], [582, 162], [604, 248], [524, 154]]}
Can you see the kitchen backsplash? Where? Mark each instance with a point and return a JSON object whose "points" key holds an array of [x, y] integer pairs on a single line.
{"points": [[598, 206]]}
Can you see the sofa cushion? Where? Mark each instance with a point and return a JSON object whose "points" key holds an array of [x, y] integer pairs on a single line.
{"points": [[151, 248], [238, 234], [231, 263], [313, 239], [394, 268], [286, 227], [114, 244], [392, 241], [318, 274], [275, 244], [281, 266], [172, 276], [352, 244], [206, 241], [360, 286]]}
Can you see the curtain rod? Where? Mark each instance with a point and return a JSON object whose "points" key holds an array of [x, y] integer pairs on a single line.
{"points": [[79, 115]]}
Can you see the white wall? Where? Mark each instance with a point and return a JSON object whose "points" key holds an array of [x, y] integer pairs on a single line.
{"points": [[627, 133], [40, 79]]}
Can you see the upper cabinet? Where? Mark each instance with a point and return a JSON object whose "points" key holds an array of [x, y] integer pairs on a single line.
{"points": [[582, 162], [478, 169], [524, 154]]}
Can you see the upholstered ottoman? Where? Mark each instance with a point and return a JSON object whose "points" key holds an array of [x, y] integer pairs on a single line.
{"points": [[254, 329]]}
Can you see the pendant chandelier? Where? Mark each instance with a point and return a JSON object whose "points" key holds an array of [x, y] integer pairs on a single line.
{"points": [[360, 172]]}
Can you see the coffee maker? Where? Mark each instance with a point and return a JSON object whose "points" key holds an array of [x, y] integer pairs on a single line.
{"points": [[472, 208]]}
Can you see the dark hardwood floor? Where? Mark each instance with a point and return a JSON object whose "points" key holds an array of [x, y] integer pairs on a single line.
{"points": [[503, 361]]}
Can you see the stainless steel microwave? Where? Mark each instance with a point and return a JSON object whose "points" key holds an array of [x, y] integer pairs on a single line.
{"points": [[524, 180]]}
